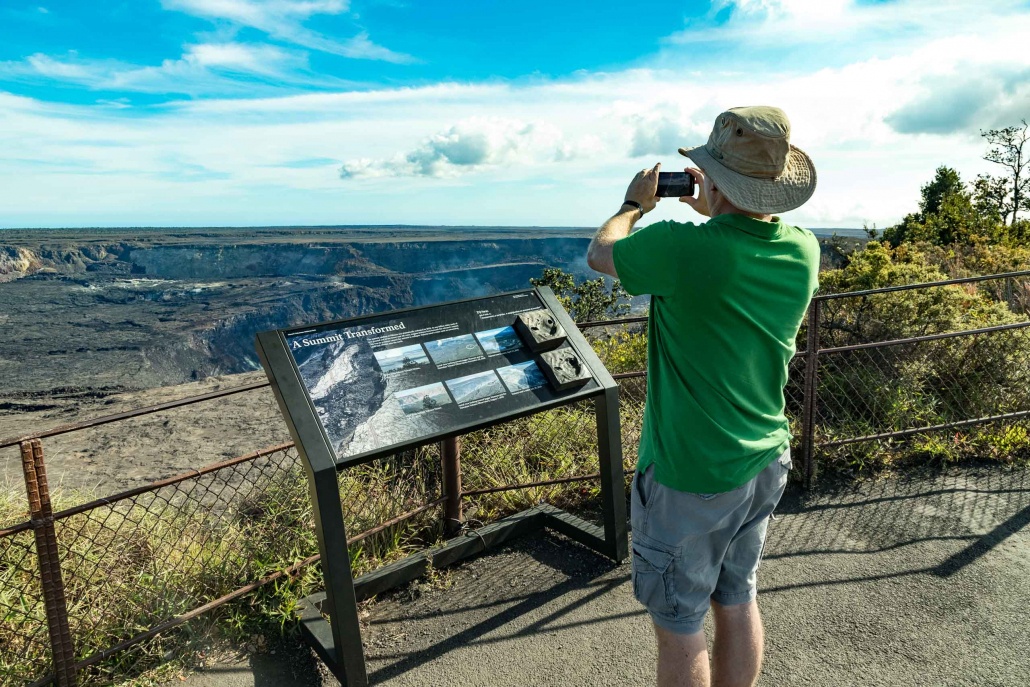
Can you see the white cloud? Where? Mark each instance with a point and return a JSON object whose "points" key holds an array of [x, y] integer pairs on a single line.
{"points": [[55, 69], [257, 59], [785, 8], [664, 126], [841, 29], [961, 100], [469, 146], [206, 68], [283, 20], [258, 13], [528, 152]]}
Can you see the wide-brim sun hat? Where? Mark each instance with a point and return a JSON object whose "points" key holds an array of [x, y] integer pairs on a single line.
{"points": [[750, 159]]}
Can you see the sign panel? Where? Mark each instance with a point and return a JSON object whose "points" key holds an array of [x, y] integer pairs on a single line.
{"points": [[394, 378]]}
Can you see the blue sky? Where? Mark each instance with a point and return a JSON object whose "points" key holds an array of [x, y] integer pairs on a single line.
{"points": [[255, 112]]}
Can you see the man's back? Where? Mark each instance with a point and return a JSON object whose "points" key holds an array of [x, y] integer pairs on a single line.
{"points": [[727, 300], [728, 297]]}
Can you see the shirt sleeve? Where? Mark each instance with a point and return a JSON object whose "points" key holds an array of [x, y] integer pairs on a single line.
{"points": [[650, 260]]}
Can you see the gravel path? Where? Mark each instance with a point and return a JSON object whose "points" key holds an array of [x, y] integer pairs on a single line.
{"points": [[901, 582]]}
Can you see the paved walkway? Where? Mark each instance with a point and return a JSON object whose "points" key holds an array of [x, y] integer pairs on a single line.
{"points": [[903, 582]]}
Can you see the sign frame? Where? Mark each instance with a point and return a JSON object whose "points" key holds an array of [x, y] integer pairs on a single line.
{"points": [[287, 379]]}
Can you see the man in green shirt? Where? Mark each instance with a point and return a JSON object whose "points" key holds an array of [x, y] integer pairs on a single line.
{"points": [[727, 299]]}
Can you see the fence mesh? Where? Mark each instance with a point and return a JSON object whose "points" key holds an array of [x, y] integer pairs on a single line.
{"points": [[942, 383], [14, 505], [555, 444], [886, 395], [632, 394], [1014, 292], [133, 564], [24, 644], [153, 556], [382, 491], [858, 319]]}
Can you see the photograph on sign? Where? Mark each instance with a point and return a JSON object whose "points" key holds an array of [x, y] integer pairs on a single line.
{"points": [[453, 350], [422, 398], [401, 359], [522, 376], [477, 387], [499, 340]]}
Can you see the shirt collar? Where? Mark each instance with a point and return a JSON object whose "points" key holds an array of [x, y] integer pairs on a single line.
{"points": [[750, 225]]}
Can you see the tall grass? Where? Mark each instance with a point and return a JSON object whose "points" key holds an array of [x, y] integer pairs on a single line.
{"points": [[131, 565]]}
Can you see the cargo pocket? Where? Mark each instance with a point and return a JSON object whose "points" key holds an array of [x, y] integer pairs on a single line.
{"points": [[653, 581], [785, 462]]}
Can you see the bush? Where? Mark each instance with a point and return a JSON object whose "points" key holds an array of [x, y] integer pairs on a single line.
{"points": [[905, 386], [622, 351], [588, 300]]}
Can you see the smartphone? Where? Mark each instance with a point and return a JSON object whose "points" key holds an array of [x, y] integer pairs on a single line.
{"points": [[675, 184]]}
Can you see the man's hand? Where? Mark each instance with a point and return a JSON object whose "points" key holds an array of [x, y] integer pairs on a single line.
{"points": [[643, 188], [700, 204], [600, 254]]}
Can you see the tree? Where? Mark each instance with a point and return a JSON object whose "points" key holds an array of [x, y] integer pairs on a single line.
{"points": [[991, 197], [946, 215], [1007, 149], [946, 184], [588, 300]]}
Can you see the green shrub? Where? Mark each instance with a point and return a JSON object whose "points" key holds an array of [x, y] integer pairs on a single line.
{"points": [[623, 351], [905, 386]]}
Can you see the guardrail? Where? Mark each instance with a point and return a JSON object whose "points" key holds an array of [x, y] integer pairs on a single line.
{"points": [[181, 547]]}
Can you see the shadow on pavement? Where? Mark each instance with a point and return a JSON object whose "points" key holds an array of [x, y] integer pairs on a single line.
{"points": [[486, 602], [903, 580], [978, 505]]}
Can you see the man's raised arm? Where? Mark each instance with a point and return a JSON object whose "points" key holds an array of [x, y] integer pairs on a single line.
{"points": [[640, 199]]}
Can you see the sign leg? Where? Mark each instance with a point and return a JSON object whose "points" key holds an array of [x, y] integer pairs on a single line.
{"points": [[341, 604], [613, 481]]}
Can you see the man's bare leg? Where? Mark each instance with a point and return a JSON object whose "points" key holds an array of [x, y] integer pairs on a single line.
{"points": [[737, 649], [682, 659]]}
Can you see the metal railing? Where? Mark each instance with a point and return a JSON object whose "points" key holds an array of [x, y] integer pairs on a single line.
{"points": [[888, 371], [181, 547]]}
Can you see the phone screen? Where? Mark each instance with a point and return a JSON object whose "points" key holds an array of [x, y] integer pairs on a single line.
{"points": [[674, 184]]}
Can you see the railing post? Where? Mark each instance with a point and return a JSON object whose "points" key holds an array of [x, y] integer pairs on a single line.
{"points": [[450, 459], [811, 391], [41, 514]]}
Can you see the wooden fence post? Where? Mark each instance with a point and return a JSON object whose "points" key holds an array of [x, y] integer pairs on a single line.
{"points": [[450, 459], [41, 515]]}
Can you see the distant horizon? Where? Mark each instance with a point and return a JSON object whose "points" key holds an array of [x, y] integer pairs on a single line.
{"points": [[856, 231]]}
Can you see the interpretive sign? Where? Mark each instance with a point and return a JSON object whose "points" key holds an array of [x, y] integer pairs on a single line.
{"points": [[392, 379], [370, 387]]}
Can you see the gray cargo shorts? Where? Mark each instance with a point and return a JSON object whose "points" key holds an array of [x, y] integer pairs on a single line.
{"points": [[691, 548]]}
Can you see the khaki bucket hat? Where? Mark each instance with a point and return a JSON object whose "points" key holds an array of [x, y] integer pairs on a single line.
{"points": [[751, 161]]}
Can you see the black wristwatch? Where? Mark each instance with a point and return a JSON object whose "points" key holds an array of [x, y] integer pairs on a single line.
{"points": [[635, 204]]}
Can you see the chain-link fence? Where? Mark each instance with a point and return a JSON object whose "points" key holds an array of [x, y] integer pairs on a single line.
{"points": [[138, 566], [926, 372], [99, 589]]}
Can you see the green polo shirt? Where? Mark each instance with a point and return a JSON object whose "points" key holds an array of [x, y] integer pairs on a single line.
{"points": [[727, 299]]}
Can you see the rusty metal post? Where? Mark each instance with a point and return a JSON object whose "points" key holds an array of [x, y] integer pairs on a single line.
{"points": [[811, 391], [450, 459], [41, 514]]}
